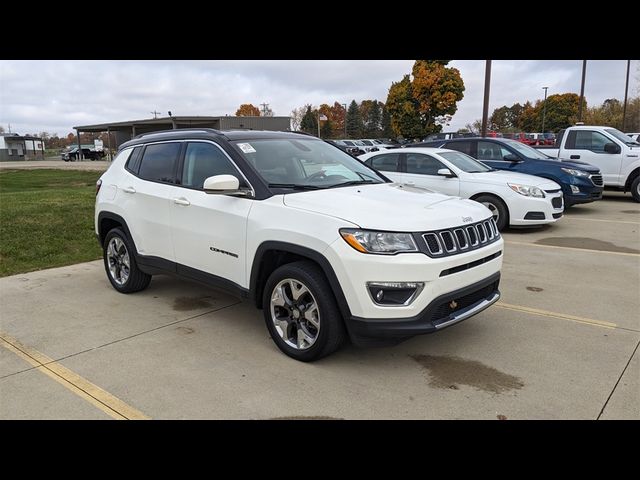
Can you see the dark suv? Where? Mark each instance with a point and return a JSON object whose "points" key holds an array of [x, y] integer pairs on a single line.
{"points": [[87, 154], [514, 156]]}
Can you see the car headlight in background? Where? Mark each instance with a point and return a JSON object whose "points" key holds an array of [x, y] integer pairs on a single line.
{"points": [[526, 190], [385, 243], [574, 172]]}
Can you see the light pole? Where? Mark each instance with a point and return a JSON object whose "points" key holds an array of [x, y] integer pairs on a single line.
{"points": [[544, 108], [345, 119], [626, 91], [584, 74], [485, 107]]}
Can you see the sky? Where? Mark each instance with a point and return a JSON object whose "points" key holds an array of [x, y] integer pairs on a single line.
{"points": [[54, 96]]}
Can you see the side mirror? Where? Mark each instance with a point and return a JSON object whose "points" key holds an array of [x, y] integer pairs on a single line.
{"points": [[510, 157], [445, 172], [611, 148], [224, 185]]}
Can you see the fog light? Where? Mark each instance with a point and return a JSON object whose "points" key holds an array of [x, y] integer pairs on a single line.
{"points": [[394, 293], [574, 189]]}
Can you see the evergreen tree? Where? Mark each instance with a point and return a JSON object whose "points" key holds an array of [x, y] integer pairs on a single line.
{"points": [[309, 122], [354, 121], [387, 131], [374, 120]]}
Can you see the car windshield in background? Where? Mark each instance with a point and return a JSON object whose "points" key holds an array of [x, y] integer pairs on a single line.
{"points": [[526, 150], [304, 164], [621, 136], [464, 162]]}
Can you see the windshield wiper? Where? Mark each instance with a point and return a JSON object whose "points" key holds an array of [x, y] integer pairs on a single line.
{"points": [[352, 182], [294, 186]]}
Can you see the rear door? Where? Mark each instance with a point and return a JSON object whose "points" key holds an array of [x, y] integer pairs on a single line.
{"points": [[421, 170], [588, 146], [145, 194]]}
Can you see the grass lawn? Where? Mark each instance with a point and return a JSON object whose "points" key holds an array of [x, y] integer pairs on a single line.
{"points": [[46, 219]]}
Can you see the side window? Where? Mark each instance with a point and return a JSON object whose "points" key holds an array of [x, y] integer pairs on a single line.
{"points": [[203, 160], [423, 164], [386, 163], [133, 164], [590, 140], [159, 161], [489, 151], [464, 147]]}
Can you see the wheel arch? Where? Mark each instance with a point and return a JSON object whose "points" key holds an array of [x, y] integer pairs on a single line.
{"points": [[272, 254], [632, 176], [110, 220]]}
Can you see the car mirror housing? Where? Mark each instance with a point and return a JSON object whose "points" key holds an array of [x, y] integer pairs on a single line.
{"points": [[445, 172]]}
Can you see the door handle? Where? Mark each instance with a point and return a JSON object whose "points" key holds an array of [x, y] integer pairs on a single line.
{"points": [[411, 184], [129, 190], [574, 157], [181, 201]]}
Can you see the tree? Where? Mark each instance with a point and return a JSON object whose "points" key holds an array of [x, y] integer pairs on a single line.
{"points": [[371, 117], [387, 131], [403, 110], [248, 110], [337, 115], [309, 122], [296, 117], [354, 121], [474, 127], [610, 114], [1, 129], [561, 112], [437, 90]]}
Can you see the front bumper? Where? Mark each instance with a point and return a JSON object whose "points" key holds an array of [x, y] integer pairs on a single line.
{"points": [[536, 211], [442, 312], [588, 192]]}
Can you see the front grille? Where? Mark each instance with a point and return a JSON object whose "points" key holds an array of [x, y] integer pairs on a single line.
{"points": [[596, 179], [595, 194], [553, 191], [441, 313], [469, 265], [460, 239], [556, 202]]}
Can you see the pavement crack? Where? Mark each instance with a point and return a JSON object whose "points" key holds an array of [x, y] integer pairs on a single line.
{"points": [[619, 378]]}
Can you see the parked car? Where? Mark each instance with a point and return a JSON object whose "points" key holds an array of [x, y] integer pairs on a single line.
{"points": [[88, 154], [324, 244], [613, 152], [351, 146], [342, 146], [513, 198], [580, 182]]}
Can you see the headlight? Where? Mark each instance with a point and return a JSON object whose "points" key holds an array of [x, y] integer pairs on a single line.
{"points": [[575, 173], [385, 243], [526, 190]]}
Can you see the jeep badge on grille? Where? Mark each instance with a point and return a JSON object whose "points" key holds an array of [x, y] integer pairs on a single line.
{"points": [[467, 219]]}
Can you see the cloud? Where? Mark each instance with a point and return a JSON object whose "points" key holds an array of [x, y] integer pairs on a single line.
{"points": [[56, 95]]}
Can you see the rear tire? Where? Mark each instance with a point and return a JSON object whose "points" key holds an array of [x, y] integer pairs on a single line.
{"points": [[120, 263], [635, 189], [498, 209], [301, 312]]}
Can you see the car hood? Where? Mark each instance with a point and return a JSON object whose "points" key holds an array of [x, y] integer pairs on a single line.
{"points": [[570, 164], [390, 206], [502, 177]]}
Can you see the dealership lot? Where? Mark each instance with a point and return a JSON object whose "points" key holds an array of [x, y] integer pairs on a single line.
{"points": [[562, 343]]}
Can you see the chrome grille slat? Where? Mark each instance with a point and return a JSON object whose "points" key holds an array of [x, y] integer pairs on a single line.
{"points": [[596, 179], [460, 239]]}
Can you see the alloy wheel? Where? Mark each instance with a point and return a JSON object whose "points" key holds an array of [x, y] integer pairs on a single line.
{"points": [[295, 313]]}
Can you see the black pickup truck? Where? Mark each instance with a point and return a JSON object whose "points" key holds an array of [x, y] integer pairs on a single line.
{"points": [[88, 154]]}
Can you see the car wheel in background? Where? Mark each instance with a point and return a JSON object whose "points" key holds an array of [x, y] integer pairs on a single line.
{"points": [[498, 209], [635, 189]]}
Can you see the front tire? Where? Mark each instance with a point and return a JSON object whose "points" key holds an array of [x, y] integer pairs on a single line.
{"points": [[498, 209], [635, 189], [120, 263], [301, 312]]}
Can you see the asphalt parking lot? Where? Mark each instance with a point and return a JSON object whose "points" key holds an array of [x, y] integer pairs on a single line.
{"points": [[561, 344]]}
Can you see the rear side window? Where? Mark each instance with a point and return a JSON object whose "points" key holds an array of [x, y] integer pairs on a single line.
{"points": [[133, 164], [159, 162], [386, 163], [464, 147], [203, 160]]}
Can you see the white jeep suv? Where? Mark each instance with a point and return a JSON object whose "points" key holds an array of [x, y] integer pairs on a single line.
{"points": [[325, 245]]}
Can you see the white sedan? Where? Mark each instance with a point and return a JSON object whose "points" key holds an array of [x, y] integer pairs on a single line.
{"points": [[513, 198]]}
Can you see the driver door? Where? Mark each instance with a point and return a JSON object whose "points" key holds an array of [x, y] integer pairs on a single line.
{"points": [[421, 170]]}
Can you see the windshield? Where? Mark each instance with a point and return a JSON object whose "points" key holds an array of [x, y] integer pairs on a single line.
{"points": [[304, 164], [526, 150], [618, 135], [464, 162]]}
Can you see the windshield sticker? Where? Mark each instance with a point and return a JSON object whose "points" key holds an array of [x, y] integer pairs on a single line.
{"points": [[246, 148]]}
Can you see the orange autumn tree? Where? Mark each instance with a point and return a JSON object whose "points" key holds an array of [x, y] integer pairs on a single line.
{"points": [[248, 110]]}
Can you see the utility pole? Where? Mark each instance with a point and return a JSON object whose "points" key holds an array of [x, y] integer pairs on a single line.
{"points": [[584, 73], [265, 106], [485, 108], [544, 108], [626, 91], [155, 114]]}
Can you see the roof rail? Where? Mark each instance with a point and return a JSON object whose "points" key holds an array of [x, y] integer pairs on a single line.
{"points": [[166, 132]]}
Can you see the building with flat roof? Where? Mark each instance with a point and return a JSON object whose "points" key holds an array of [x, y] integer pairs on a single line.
{"points": [[124, 131], [20, 147]]}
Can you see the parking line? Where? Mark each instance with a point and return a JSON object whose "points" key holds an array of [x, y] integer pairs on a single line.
{"points": [[103, 400], [562, 316], [601, 220], [609, 252]]}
